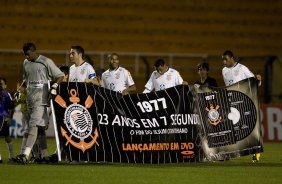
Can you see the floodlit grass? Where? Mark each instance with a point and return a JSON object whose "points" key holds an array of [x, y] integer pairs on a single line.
{"points": [[237, 171]]}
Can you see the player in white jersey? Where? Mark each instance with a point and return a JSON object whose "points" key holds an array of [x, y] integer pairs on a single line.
{"points": [[163, 77], [234, 72], [37, 71], [80, 71], [117, 78]]}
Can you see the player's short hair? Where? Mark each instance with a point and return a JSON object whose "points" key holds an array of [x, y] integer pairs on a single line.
{"points": [[3, 79], [159, 62], [114, 54], [28, 46], [228, 53], [65, 69], [203, 65], [78, 49]]}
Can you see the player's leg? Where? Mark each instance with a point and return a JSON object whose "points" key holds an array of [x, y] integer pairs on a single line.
{"points": [[42, 140], [36, 115], [10, 145], [36, 155], [5, 131], [25, 119]]}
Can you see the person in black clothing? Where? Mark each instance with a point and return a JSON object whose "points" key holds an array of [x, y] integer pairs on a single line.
{"points": [[205, 80]]}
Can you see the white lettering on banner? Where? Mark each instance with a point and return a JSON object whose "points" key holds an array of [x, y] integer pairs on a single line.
{"points": [[210, 97], [184, 119], [274, 119], [152, 105], [160, 131], [124, 121], [103, 119], [147, 123]]}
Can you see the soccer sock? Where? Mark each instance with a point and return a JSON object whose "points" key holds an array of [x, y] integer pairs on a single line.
{"points": [[11, 149], [32, 135], [42, 141], [23, 144], [27, 151], [36, 149], [45, 154]]}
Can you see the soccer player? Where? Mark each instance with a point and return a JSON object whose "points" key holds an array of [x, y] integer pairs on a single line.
{"points": [[163, 77], [6, 106], [205, 80], [117, 78], [234, 72], [80, 71], [38, 70]]}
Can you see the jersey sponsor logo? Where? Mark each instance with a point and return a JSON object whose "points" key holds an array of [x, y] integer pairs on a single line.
{"points": [[78, 122], [35, 84], [213, 115]]}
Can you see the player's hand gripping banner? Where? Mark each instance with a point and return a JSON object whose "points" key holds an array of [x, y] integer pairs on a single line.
{"points": [[98, 125]]}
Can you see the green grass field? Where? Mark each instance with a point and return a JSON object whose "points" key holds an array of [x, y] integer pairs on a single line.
{"points": [[239, 170]]}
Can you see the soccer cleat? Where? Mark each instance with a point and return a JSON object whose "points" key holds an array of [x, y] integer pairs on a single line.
{"points": [[45, 160], [12, 160], [21, 159], [42, 161], [256, 157], [53, 158]]}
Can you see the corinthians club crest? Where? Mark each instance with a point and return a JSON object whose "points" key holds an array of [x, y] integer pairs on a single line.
{"points": [[78, 121], [213, 115]]}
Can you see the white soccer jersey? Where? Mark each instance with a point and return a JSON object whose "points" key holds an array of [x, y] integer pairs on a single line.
{"points": [[117, 80], [159, 82], [235, 74], [81, 72]]}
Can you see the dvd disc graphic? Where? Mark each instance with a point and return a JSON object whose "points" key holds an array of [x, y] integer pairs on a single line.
{"points": [[234, 115], [243, 114]]}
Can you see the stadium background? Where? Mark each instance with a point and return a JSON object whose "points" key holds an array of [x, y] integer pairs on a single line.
{"points": [[183, 32]]}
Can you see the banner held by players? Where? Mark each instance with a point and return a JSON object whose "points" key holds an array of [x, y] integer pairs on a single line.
{"points": [[99, 125], [171, 126]]}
